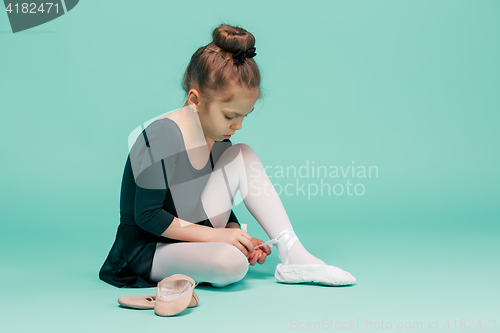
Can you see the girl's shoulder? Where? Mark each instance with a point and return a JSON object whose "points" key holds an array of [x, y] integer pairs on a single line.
{"points": [[159, 139]]}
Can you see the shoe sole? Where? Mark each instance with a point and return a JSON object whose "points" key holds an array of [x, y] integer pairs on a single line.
{"points": [[127, 302]]}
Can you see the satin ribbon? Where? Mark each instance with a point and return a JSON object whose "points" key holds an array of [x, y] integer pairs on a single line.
{"points": [[281, 238]]}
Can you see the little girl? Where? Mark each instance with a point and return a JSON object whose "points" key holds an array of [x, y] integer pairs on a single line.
{"points": [[181, 178]]}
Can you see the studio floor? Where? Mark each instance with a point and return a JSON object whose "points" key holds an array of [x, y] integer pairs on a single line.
{"points": [[413, 280]]}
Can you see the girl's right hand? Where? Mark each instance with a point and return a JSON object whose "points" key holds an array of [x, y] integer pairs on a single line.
{"points": [[234, 236]]}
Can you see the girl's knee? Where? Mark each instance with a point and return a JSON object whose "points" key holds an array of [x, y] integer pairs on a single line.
{"points": [[236, 154], [239, 148], [244, 148], [231, 262]]}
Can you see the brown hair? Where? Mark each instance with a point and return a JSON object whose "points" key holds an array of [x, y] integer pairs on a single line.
{"points": [[212, 68]]}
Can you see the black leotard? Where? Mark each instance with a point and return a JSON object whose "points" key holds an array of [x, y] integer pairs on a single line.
{"points": [[156, 163]]}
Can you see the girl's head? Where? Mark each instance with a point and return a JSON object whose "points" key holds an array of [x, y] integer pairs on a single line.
{"points": [[222, 90]]}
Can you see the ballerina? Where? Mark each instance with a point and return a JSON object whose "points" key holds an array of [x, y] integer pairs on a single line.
{"points": [[183, 174]]}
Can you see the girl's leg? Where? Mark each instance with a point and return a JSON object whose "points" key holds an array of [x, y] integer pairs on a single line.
{"points": [[217, 263], [239, 168]]}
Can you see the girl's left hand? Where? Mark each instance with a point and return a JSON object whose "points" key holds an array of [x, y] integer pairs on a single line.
{"points": [[259, 254]]}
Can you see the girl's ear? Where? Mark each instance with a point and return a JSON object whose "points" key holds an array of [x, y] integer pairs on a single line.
{"points": [[194, 96]]}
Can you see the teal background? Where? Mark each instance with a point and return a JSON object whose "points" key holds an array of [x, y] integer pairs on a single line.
{"points": [[408, 86]]}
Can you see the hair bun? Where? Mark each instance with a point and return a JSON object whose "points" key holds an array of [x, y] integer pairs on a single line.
{"points": [[232, 38], [216, 67]]}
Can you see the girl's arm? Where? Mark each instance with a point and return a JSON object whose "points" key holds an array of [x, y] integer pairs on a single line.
{"points": [[187, 231], [191, 232]]}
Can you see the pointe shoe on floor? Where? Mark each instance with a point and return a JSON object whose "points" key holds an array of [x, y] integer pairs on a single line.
{"points": [[148, 302], [173, 294], [321, 274]]}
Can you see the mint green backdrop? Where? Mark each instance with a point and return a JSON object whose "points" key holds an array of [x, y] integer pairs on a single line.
{"points": [[407, 87]]}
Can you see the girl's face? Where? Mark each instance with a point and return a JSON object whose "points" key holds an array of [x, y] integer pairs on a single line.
{"points": [[225, 114]]}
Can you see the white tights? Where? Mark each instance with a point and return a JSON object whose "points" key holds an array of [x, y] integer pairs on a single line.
{"points": [[220, 264]]}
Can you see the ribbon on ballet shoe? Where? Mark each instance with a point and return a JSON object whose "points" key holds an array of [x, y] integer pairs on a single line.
{"points": [[280, 239], [271, 242]]}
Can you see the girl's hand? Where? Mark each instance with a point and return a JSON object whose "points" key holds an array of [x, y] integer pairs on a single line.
{"points": [[259, 254], [236, 237]]}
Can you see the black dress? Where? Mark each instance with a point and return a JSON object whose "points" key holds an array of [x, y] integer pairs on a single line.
{"points": [[156, 175]]}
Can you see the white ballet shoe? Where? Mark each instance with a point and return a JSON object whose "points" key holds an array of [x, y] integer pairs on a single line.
{"points": [[322, 274]]}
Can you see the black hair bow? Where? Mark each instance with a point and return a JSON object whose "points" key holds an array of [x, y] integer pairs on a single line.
{"points": [[240, 56]]}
